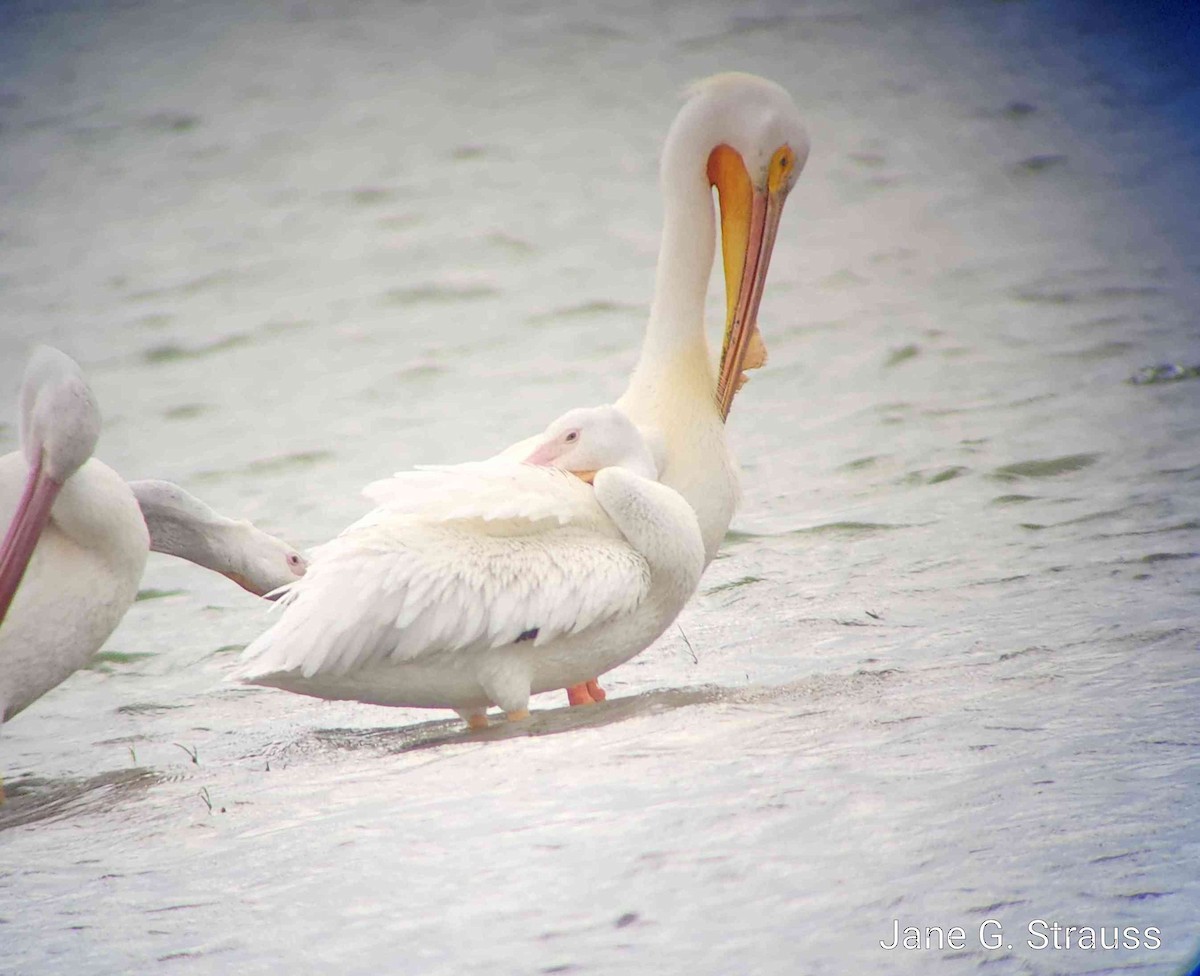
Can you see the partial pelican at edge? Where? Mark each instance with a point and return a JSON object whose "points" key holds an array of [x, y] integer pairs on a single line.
{"points": [[77, 541]]}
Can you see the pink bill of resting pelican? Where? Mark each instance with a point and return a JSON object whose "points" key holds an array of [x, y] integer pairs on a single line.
{"points": [[743, 136], [479, 584], [78, 537]]}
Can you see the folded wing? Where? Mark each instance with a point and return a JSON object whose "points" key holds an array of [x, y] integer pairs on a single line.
{"points": [[465, 557]]}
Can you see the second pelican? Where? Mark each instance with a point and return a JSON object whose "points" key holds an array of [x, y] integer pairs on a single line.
{"points": [[483, 583]]}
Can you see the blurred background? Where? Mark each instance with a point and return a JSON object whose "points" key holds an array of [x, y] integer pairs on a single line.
{"points": [[945, 669]]}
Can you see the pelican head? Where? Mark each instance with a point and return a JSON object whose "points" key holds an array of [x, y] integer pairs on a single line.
{"points": [[268, 562], [59, 418], [60, 424], [586, 439], [180, 524], [747, 135]]}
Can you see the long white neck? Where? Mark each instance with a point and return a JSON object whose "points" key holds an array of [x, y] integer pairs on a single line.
{"points": [[182, 525], [673, 387], [675, 350]]}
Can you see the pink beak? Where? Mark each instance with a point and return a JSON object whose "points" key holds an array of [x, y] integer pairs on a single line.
{"points": [[33, 512], [544, 455]]}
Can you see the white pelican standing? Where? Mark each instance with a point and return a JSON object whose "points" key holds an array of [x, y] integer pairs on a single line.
{"points": [[742, 135], [77, 540], [480, 584]]}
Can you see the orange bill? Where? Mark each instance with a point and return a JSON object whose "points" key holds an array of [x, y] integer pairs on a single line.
{"points": [[749, 223]]}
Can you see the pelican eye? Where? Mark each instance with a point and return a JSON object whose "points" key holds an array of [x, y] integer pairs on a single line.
{"points": [[572, 435], [294, 559], [780, 170]]}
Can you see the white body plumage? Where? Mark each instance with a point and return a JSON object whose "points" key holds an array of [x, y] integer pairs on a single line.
{"points": [[481, 584], [79, 582]]}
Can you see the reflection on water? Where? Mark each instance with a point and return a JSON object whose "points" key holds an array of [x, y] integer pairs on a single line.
{"points": [[552, 721], [944, 668], [31, 798], [549, 721]]}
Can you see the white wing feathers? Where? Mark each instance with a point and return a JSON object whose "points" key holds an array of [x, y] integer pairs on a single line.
{"points": [[459, 558], [487, 490]]}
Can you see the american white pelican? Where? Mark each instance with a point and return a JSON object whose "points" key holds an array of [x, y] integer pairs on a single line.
{"points": [[483, 583], [77, 540], [76, 545], [741, 135]]}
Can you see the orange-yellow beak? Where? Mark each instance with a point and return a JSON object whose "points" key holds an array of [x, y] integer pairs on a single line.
{"points": [[749, 222], [545, 454]]}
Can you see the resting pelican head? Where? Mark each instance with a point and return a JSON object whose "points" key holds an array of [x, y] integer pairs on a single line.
{"points": [[747, 135], [60, 421], [586, 439], [60, 424]]}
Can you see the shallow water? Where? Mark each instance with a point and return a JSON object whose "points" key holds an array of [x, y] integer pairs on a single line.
{"points": [[945, 668]]}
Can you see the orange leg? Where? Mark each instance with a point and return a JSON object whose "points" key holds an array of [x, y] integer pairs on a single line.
{"points": [[578, 695], [586, 693]]}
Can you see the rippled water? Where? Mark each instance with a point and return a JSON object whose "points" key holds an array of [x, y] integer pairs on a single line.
{"points": [[945, 669]]}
